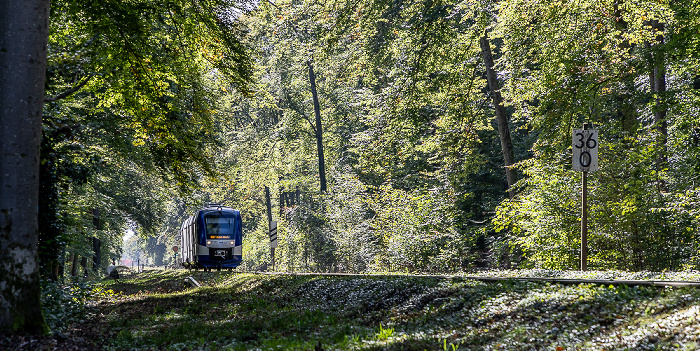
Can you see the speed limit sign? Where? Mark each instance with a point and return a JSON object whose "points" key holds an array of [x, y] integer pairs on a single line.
{"points": [[585, 145]]}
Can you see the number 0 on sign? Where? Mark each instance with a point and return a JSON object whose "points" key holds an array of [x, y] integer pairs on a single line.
{"points": [[585, 145]]}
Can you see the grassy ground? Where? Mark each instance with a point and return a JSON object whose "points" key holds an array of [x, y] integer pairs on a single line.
{"points": [[240, 311]]}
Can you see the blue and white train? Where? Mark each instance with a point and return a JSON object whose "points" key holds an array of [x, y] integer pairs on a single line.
{"points": [[212, 238]]}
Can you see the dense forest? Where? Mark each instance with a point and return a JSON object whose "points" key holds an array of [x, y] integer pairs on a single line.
{"points": [[420, 136]]}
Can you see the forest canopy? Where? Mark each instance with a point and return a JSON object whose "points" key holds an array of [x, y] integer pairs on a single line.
{"points": [[421, 136]]}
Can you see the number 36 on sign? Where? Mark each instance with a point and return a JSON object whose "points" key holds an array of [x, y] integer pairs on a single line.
{"points": [[585, 145]]}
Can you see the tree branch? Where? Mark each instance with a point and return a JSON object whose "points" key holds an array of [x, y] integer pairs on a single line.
{"points": [[292, 105], [70, 91]]}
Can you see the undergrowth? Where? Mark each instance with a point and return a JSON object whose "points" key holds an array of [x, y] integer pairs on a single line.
{"points": [[64, 305], [234, 311]]}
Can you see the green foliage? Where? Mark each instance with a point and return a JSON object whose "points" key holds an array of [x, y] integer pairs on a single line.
{"points": [[147, 76], [414, 230], [592, 59], [246, 311], [64, 306], [384, 333], [179, 96], [452, 346], [129, 115], [406, 135]]}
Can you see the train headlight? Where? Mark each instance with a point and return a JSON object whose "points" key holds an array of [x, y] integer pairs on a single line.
{"points": [[232, 243], [208, 242]]}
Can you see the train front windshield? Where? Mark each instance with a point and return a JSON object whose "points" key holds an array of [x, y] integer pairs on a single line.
{"points": [[219, 225]]}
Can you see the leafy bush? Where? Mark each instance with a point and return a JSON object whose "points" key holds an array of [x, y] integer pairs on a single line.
{"points": [[639, 218], [65, 305]]}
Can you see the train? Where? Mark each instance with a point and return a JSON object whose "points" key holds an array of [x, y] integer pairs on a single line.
{"points": [[212, 238]]}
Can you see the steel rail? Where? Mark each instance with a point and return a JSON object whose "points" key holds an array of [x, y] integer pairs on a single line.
{"points": [[567, 281]]}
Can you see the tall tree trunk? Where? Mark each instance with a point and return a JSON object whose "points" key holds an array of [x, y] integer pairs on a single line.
{"points": [[626, 108], [83, 263], [97, 253], [268, 204], [50, 241], [23, 41], [657, 85], [74, 265], [501, 119], [319, 128]]}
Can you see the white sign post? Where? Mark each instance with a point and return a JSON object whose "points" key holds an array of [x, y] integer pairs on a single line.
{"points": [[585, 159]]}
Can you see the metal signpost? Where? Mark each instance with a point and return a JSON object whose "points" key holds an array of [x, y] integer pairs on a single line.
{"points": [[273, 234], [585, 159], [273, 241]]}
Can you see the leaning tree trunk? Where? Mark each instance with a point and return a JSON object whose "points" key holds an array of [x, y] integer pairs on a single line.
{"points": [[502, 120], [23, 41], [319, 127]]}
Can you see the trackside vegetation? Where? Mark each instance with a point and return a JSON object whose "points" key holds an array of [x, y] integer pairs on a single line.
{"points": [[379, 115], [245, 311], [388, 136]]}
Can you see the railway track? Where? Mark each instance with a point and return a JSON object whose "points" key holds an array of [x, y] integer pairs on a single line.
{"points": [[567, 281]]}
